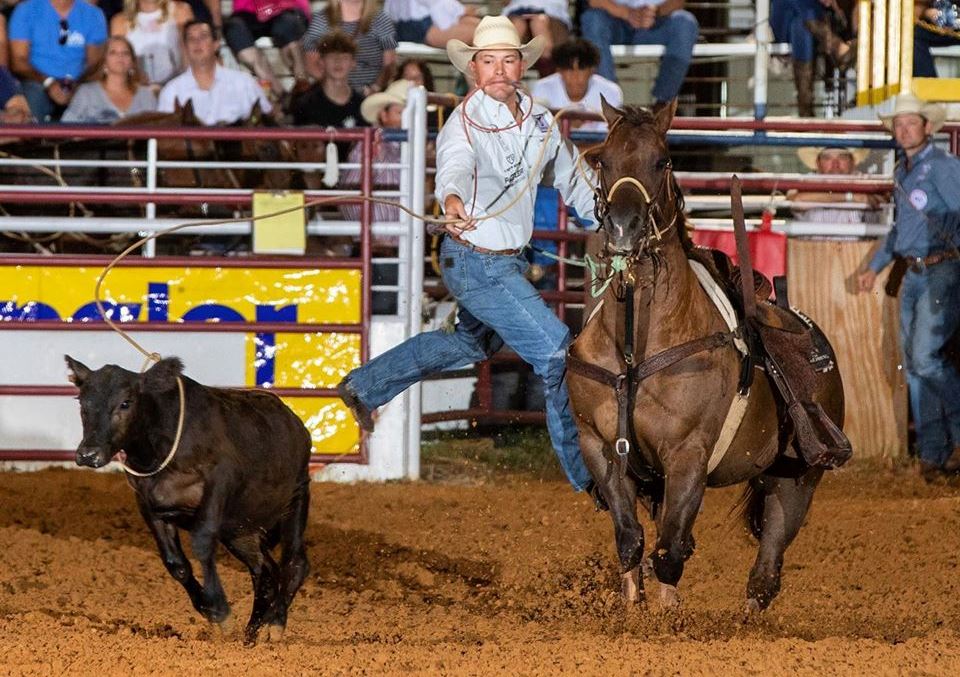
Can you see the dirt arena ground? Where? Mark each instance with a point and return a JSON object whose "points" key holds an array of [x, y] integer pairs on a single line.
{"points": [[487, 575]]}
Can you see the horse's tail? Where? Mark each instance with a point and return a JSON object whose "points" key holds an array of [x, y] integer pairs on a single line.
{"points": [[750, 509]]}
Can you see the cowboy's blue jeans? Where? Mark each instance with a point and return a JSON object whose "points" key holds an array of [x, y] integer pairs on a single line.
{"points": [[498, 306], [929, 316], [788, 22], [677, 32]]}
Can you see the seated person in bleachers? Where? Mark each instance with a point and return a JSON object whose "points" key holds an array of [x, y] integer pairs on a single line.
{"points": [[14, 109], [802, 23], [283, 21], [576, 83], [548, 18], [154, 27], [116, 90], [219, 95], [643, 22], [937, 25], [432, 22], [373, 32], [417, 71], [332, 102], [52, 46], [835, 161]]}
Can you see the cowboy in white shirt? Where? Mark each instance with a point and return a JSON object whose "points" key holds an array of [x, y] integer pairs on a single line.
{"points": [[486, 157], [220, 95]]}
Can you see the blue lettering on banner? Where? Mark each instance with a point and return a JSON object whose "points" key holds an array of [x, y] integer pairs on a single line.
{"points": [[32, 311], [158, 301], [118, 312]]}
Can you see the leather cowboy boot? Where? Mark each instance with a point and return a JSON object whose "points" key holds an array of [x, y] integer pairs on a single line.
{"points": [[803, 79], [953, 463], [841, 52]]}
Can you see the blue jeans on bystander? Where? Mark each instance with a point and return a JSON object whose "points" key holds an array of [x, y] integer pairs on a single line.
{"points": [[497, 305], [929, 316], [677, 32]]}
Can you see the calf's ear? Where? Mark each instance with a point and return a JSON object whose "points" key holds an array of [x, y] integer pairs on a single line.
{"points": [[79, 372], [162, 376]]}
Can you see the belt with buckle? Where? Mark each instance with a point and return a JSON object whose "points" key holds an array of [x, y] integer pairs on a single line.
{"points": [[484, 250], [920, 263]]}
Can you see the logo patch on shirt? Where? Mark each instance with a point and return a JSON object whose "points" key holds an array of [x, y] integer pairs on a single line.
{"points": [[541, 123], [918, 198]]}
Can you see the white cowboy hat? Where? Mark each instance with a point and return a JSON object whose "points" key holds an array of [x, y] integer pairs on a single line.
{"points": [[396, 92], [808, 155], [934, 113], [493, 32]]}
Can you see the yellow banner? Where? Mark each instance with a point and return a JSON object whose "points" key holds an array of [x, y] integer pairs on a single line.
{"points": [[176, 294], [212, 294]]}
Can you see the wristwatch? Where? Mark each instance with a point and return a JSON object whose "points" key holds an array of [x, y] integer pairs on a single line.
{"points": [[47, 81]]}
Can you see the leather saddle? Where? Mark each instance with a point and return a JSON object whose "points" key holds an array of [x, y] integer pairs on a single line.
{"points": [[796, 355]]}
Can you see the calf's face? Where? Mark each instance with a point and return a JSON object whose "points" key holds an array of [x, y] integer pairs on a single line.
{"points": [[113, 403]]}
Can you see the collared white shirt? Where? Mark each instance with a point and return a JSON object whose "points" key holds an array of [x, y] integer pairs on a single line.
{"points": [[231, 97], [487, 170], [443, 13], [550, 92]]}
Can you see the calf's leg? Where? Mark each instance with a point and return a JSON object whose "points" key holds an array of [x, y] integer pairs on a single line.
{"points": [[204, 537], [294, 565], [174, 559], [252, 551]]}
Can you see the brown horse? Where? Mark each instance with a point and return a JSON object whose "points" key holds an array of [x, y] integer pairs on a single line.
{"points": [[676, 414]]}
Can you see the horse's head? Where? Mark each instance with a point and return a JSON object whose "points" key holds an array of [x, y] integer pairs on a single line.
{"points": [[637, 200]]}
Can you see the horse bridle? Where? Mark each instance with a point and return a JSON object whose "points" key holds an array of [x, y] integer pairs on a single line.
{"points": [[603, 197]]}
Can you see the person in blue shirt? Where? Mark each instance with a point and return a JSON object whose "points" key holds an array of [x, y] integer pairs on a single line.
{"points": [[52, 44], [926, 234]]}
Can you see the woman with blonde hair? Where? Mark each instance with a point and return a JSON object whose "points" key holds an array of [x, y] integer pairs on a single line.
{"points": [[373, 32], [117, 90], [153, 28]]}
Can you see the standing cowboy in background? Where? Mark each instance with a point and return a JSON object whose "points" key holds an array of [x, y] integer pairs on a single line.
{"points": [[926, 234], [486, 160]]}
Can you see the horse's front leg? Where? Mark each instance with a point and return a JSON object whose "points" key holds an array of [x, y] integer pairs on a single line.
{"points": [[621, 498], [685, 481]]}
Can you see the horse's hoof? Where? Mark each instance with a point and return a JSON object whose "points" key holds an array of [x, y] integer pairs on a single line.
{"points": [[275, 633], [631, 588], [227, 626], [669, 597]]}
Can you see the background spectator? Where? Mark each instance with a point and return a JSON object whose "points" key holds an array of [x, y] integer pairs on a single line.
{"points": [[283, 21], [14, 109], [220, 95], [52, 44], [332, 102], [926, 234], [936, 26], [115, 92], [417, 71], [643, 22], [576, 83], [153, 28], [432, 22], [547, 18], [371, 30], [799, 22], [834, 161]]}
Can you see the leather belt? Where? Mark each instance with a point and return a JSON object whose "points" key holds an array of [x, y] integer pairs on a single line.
{"points": [[920, 263], [484, 250]]}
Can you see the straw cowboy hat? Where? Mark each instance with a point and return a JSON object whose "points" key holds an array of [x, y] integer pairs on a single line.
{"points": [[934, 113], [493, 32], [396, 92], [809, 154]]}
